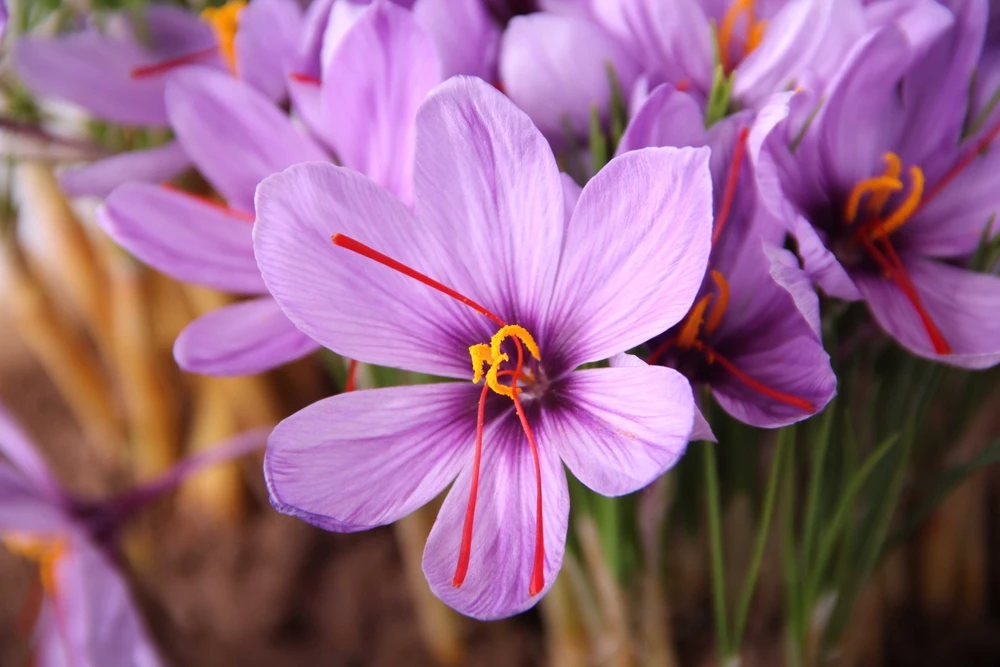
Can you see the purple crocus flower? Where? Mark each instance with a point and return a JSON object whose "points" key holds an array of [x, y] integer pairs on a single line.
{"points": [[752, 334], [767, 45], [119, 73], [87, 618], [236, 137], [526, 297], [888, 193]]}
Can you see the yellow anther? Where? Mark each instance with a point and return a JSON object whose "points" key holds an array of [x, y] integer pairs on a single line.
{"points": [[720, 305], [906, 209], [225, 22], [876, 186], [755, 35], [491, 355], [692, 323], [481, 355], [44, 552], [893, 169]]}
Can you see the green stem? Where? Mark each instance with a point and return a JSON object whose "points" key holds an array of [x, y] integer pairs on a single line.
{"points": [[715, 543], [793, 607], [815, 485], [763, 529]]}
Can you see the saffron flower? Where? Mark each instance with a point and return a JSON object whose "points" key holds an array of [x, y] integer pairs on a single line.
{"points": [[752, 335], [486, 279], [87, 617], [766, 47], [236, 137], [889, 194], [120, 76]]}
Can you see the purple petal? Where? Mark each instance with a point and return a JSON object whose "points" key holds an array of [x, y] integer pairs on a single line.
{"points": [[17, 447], [368, 458], [963, 305], [152, 165], [372, 86], [28, 506], [621, 427], [486, 179], [786, 272], [503, 536], [185, 238], [571, 194], [467, 38], [634, 255], [242, 339], [100, 622], [364, 310], [265, 44], [821, 264], [552, 88], [667, 118], [93, 68], [234, 135]]}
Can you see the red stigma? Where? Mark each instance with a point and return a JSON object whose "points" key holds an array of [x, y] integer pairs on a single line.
{"points": [[171, 63], [731, 180], [302, 77], [962, 163], [465, 551], [348, 243], [774, 394], [352, 373], [206, 201]]}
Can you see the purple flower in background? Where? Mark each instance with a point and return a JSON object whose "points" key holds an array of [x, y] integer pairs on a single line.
{"points": [[87, 618], [236, 137], [528, 294], [768, 46], [752, 334], [889, 191], [120, 76]]}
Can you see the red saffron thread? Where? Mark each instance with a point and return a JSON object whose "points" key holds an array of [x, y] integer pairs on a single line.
{"points": [[231, 212], [465, 552], [731, 180], [781, 397], [302, 77], [169, 64], [959, 166], [348, 243], [352, 373]]}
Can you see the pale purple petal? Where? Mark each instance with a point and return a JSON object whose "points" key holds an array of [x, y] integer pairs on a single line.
{"points": [[234, 135], [650, 214], [372, 87], [571, 194], [242, 339], [99, 621], [151, 165], [467, 37], [265, 44], [29, 506], [487, 181], [183, 237], [368, 458], [503, 536], [350, 303], [667, 118], [785, 271], [963, 305], [821, 264], [555, 89], [624, 426]]}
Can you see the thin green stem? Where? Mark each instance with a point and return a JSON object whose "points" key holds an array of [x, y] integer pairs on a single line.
{"points": [[793, 606], [763, 530], [815, 485], [715, 544]]}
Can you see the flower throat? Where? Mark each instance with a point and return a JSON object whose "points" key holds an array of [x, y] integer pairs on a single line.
{"points": [[492, 358]]}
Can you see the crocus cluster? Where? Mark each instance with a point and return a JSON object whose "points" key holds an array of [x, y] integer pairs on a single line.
{"points": [[383, 180]]}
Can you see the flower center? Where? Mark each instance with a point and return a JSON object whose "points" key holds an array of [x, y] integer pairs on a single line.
{"points": [[726, 34], [491, 356], [224, 22]]}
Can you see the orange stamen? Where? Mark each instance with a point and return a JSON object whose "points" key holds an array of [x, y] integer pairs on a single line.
{"points": [[225, 22], [779, 396], [305, 78], [692, 323], [727, 29], [171, 63], [878, 186], [893, 169], [348, 243], [731, 180], [465, 551], [207, 201], [720, 304], [905, 210]]}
